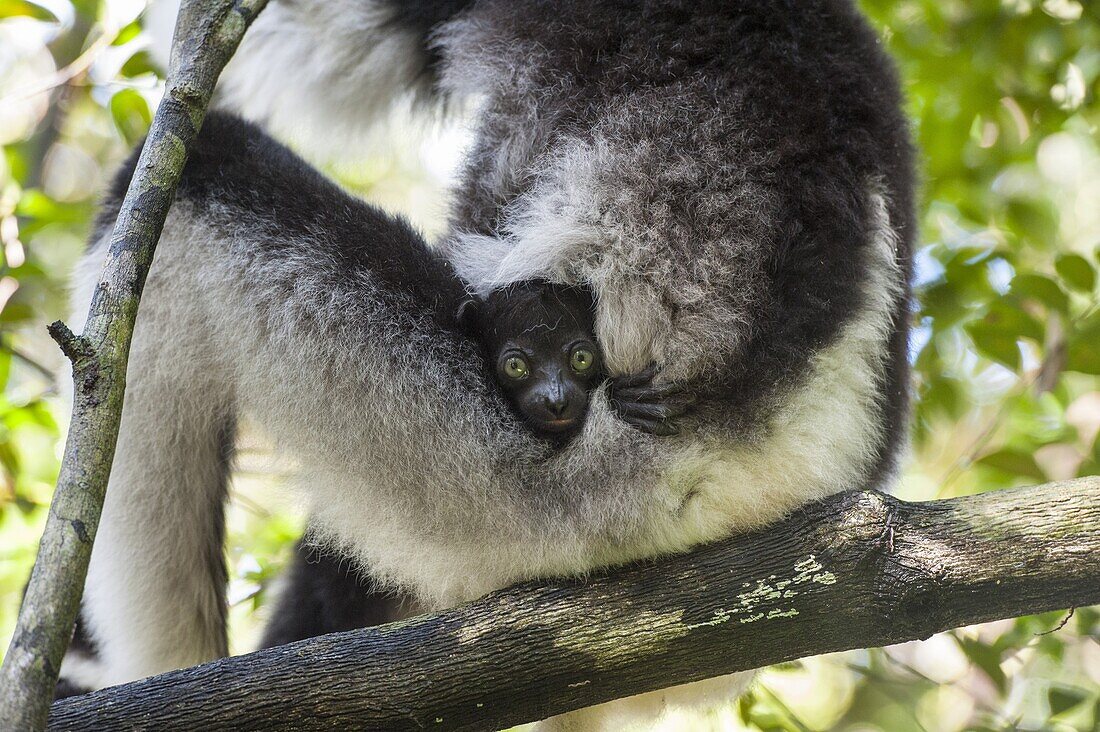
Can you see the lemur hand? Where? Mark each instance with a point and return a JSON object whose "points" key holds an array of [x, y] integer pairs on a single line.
{"points": [[646, 406]]}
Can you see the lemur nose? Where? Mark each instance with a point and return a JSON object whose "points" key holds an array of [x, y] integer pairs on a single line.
{"points": [[556, 405]]}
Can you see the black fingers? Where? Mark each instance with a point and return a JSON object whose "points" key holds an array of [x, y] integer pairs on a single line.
{"points": [[647, 406], [660, 428], [649, 410], [643, 377]]}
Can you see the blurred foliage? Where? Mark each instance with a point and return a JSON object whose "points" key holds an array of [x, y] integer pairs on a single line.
{"points": [[1006, 352]]}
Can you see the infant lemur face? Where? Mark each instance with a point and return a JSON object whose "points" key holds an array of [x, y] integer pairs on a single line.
{"points": [[538, 339], [547, 372]]}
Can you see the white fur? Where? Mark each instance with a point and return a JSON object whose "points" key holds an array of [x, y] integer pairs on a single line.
{"points": [[587, 220], [822, 441], [83, 671], [163, 484], [323, 75]]}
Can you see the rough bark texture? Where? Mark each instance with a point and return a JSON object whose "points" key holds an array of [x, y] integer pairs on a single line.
{"points": [[207, 33], [857, 570]]}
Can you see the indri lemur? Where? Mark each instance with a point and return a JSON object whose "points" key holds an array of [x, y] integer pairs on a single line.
{"points": [[731, 180]]}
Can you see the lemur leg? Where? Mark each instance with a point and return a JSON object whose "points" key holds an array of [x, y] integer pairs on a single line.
{"points": [[160, 539], [324, 593]]}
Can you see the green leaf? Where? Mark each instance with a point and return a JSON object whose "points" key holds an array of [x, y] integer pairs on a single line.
{"points": [[34, 413], [1013, 319], [1088, 620], [131, 114], [35, 204], [995, 343], [17, 311], [985, 657], [1091, 464], [9, 459], [943, 394], [127, 34], [1084, 359], [139, 64], [1043, 289], [1076, 271], [1014, 462], [13, 8], [1063, 698], [1083, 349]]}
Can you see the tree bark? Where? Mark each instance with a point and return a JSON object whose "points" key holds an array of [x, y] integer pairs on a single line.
{"points": [[856, 570], [207, 34]]}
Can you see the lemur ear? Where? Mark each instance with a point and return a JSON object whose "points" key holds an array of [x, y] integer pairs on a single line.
{"points": [[468, 315]]}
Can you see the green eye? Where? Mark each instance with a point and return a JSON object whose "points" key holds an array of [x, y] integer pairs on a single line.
{"points": [[515, 367], [582, 359]]}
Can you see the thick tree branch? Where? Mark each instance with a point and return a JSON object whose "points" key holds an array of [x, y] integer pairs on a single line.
{"points": [[857, 570], [207, 34]]}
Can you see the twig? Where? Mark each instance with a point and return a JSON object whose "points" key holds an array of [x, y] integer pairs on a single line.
{"points": [[65, 74], [28, 360], [76, 348], [1038, 378], [1060, 625], [787, 711]]}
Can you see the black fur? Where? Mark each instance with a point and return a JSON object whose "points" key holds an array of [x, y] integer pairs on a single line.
{"points": [[326, 594], [83, 645], [237, 167], [817, 100], [422, 18], [541, 324]]}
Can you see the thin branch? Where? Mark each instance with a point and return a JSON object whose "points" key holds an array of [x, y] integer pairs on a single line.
{"points": [[1044, 378], [207, 34], [28, 360], [787, 711], [65, 74], [827, 579]]}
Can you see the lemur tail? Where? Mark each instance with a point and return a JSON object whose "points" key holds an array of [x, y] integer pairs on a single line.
{"points": [[322, 73]]}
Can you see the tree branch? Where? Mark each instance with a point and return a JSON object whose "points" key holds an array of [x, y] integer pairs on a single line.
{"points": [[207, 34], [856, 570]]}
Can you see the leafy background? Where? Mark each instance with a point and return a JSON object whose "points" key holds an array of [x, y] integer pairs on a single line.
{"points": [[1002, 94]]}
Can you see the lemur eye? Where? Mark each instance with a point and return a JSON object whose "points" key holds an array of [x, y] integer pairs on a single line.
{"points": [[582, 359], [515, 367]]}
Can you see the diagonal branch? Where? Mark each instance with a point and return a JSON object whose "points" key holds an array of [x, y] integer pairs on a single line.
{"points": [[856, 570], [207, 34]]}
